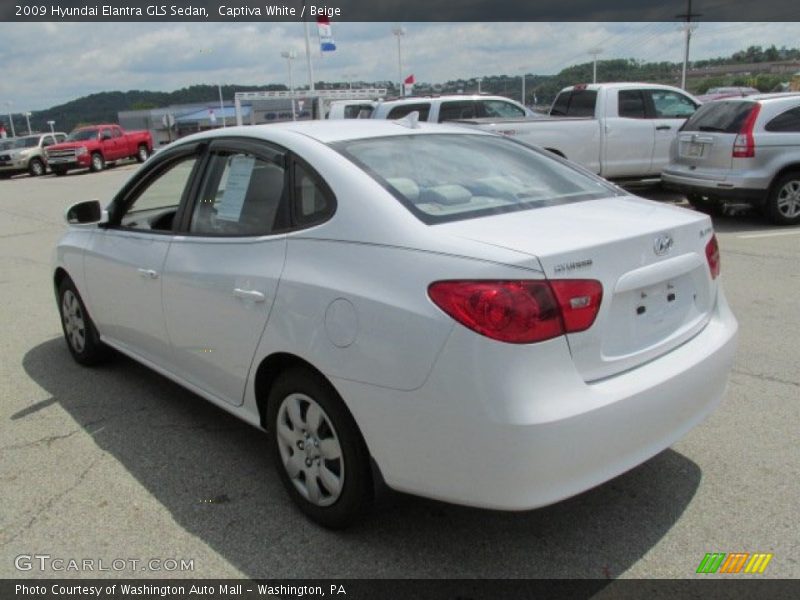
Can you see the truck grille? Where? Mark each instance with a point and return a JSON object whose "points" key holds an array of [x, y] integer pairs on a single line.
{"points": [[61, 154]]}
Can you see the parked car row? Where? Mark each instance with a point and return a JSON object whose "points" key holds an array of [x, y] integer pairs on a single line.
{"points": [[90, 147]]}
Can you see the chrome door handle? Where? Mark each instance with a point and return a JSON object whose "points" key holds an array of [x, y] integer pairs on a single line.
{"points": [[253, 295], [147, 273], [663, 127]]}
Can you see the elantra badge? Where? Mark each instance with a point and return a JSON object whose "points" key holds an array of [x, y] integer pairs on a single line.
{"points": [[663, 244]]}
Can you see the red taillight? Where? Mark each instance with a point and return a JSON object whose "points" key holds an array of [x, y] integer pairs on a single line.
{"points": [[519, 312], [579, 300], [744, 146], [712, 256]]}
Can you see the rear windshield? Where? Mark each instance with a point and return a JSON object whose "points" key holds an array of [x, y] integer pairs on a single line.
{"points": [[575, 103], [450, 177], [722, 117]]}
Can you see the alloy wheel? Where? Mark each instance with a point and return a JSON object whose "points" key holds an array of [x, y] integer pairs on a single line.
{"points": [[789, 199], [74, 324]]}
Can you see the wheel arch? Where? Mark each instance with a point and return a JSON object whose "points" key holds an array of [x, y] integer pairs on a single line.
{"points": [[786, 169], [59, 276]]}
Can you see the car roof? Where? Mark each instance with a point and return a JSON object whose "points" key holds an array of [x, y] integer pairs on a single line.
{"points": [[774, 97], [418, 99], [338, 130]]}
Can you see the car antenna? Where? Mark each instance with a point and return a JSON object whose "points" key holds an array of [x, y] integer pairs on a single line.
{"points": [[411, 120]]}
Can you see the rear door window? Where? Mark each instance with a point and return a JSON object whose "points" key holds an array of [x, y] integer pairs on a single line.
{"points": [[461, 109], [398, 112], [499, 110], [785, 122], [575, 103], [631, 104], [719, 116]]}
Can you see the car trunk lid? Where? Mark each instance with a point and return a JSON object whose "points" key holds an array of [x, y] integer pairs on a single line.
{"points": [[649, 257]]}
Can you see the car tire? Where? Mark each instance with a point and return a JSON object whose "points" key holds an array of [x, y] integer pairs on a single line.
{"points": [[36, 167], [59, 171], [98, 162], [80, 333], [142, 153], [320, 454], [706, 205], [783, 203]]}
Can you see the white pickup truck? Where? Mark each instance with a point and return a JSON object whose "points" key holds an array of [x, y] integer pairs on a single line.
{"points": [[618, 130]]}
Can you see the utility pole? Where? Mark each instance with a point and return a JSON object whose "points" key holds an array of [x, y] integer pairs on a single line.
{"points": [[290, 55], [595, 52], [11, 118], [688, 33]]}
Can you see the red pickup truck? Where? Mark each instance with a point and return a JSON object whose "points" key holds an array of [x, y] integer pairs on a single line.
{"points": [[97, 145]]}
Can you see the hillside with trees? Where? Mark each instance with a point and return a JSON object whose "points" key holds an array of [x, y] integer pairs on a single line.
{"points": [[540, 89]]}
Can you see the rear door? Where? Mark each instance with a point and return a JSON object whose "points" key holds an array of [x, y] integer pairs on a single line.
{"points": [[222, 272], [629, 135], [452, 110]]}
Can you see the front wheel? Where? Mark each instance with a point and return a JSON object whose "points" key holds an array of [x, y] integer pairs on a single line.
{"points": [[98, 162], [321, 457], [80, 333], [783, 204], [142, 153]]}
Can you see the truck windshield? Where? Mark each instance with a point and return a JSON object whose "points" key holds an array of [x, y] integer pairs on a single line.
{"points": [[81, 135], [449, 177]]}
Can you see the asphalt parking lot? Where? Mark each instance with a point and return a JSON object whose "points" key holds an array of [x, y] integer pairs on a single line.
{"points": [[119, 463]]}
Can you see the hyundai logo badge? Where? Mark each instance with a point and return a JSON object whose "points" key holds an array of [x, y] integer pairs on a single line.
{"points": [[663, 244]]}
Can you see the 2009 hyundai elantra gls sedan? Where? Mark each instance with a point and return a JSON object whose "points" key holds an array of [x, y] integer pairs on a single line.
{"points": [[451, 312]]}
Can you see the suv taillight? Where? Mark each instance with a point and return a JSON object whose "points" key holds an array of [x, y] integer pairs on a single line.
{"points": [[520, 312], [744, 146], [712, 256]]}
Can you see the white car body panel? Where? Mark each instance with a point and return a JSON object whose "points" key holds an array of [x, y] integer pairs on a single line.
{"points": [[441, 408]]}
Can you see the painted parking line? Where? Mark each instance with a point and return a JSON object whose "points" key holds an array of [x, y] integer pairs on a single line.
{"points": [[751, 236]]}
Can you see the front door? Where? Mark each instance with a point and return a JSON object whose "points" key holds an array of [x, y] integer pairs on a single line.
{"points": [[125, 261]]}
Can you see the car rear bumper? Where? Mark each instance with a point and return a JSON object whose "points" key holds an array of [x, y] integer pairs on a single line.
{"points": [[492, 430], [744, 189]]}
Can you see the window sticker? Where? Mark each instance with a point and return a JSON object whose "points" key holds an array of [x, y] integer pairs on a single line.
{"points": [[240, 169]]}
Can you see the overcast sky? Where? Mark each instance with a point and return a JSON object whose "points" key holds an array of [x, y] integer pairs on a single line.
{"points": [[45, 64]]}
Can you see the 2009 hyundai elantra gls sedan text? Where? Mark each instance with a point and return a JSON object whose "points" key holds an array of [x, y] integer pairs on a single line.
{"points": [[452, 312]]}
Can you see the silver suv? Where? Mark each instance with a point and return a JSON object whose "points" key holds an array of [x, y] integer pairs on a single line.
{"points": [[744, 150], [26, 153]]}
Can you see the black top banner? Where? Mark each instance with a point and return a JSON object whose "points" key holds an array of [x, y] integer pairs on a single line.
{"points": [[402, 10]]}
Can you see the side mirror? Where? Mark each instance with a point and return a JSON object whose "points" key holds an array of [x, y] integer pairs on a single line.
{"points": [[84, 213]]}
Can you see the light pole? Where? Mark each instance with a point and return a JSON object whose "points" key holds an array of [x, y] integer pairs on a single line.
{"points": [[28, 121], [688, 28], [11, 119], [594, 52], [221, 105], [52, 126], [400, 32], [290, 55], [348, 77], [523, 86]]}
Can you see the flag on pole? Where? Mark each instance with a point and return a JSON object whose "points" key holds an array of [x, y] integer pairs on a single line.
{"points": [[408, 85], [326, 43]]}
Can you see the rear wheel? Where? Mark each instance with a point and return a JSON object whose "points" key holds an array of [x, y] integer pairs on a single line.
{"points": [[783, 204], [98, 162], [82, 338], [142, 153], [36, 167], [706, 205], [321, 457]]}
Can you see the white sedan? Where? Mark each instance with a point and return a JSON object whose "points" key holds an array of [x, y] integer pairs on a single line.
{"points": [[451, 312]]}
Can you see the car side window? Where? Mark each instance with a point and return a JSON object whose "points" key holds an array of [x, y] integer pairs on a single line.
{"points": [[398, 112], [242, 195], [787, 122], [155, 207], [47, 141], [60, 137], [500, 110], [631, 104], [313, 201], [116, 132], [461, 109], [671, 105]]}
